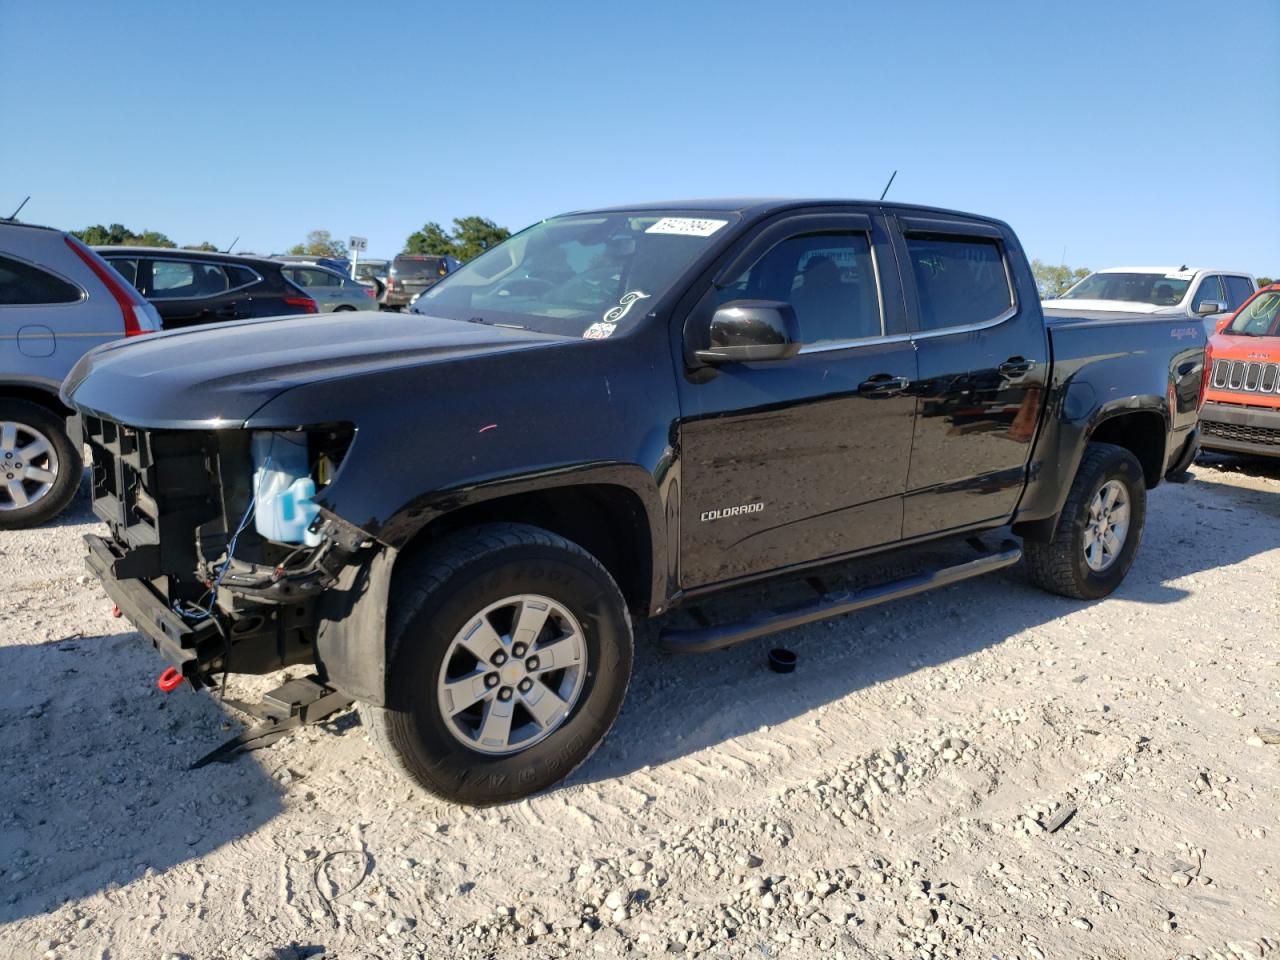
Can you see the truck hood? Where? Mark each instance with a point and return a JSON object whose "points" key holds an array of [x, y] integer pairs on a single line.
{"points": [[1076, 307], [218, 375]]}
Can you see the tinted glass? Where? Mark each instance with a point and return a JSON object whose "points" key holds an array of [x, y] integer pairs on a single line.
{"points": [[1157, 289], [829, 280], [126, 268], [21, 283], [406, 268], [959, 280], [1210, 289], [240, 276], [1239, 289], [175, 279]]}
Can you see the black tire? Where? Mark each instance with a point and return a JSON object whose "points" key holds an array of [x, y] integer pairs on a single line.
{"points": [[70, 466], [1059, 565], [434, 595], [344, 309]]}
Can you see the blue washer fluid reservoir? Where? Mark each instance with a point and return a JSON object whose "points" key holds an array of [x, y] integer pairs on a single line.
{"points": [[282, 482]]}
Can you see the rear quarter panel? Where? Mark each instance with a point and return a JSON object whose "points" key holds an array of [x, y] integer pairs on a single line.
{"points": [[39, 344], [1104, 369]]}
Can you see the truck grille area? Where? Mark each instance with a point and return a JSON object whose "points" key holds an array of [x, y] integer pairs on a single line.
{"points": [[1241, 433], [153, 489], [1246, 376]]}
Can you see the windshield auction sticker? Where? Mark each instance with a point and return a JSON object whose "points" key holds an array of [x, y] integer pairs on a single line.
{"points": [[687, 226]]}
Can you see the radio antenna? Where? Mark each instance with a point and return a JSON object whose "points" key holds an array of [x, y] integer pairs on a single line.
{"points": [[233, 243], [19, 210], [888, 185]]}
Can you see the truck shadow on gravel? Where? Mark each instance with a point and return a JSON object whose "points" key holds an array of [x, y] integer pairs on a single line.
{"points": [[94, 790], [682, 704]]}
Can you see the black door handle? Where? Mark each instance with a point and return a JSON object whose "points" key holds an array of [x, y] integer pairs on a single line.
{"points": [[883, 385], [1015, 368]]}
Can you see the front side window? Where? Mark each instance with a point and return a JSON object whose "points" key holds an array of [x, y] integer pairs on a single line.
{"points": [[1260, 318], [828, 278], [1239, 289], [1157, 289], [183, 279], [1210, 289], [959, 280], [21, 284], [584, 275]]}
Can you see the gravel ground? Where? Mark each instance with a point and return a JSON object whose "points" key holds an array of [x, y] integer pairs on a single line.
{"points": [[901, 795]]}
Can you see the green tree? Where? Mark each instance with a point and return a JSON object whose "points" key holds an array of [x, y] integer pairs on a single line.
{"points": [[471, 237], [319, 243], [431, 239], [203, 245], [1054, 281], [118, 234], [1265, 281]]}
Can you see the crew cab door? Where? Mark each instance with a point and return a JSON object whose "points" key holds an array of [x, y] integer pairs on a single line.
{"points": [[790, 461], [983, 356]]}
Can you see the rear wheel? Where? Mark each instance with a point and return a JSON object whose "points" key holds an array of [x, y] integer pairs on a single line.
{"points": [[1099, 529], [344, 309], [509, 654], [40, 468]]}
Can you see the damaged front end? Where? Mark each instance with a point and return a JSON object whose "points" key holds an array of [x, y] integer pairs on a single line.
{"points": [[217, 552]]}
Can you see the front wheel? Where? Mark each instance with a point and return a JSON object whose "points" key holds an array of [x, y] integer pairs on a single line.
{"points": [[509, 655], [1099, 529]]}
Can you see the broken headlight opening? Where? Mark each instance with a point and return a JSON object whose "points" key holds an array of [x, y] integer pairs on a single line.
{"points": [[275, 550]]}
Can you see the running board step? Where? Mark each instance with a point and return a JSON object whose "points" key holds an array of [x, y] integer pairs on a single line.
{"points": [[715, 637]]}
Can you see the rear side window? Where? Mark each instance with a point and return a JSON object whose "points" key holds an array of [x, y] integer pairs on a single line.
{"points": [[240, 276], [960, 280], [126, 268], [25, 285], [181, 279], [1239, 289], [829, 280]]}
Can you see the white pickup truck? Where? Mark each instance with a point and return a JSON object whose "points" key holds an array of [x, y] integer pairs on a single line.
{"points": [[1120, 292]]}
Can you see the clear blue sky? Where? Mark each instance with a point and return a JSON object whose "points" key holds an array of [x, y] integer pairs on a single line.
{"points": [[1123, 132]]}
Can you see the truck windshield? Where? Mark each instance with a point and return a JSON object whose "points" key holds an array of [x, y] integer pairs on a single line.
{"points": [[1260, 317], [582, 275], [1157, 289]]}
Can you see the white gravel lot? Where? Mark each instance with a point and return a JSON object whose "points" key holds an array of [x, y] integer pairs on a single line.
{"points": [[889, 799]]}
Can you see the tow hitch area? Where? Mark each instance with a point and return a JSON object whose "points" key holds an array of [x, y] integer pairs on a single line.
{"points": [[295, 704]]}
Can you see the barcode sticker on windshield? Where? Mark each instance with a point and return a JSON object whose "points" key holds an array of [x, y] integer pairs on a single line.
{"points": [[687, 226]]}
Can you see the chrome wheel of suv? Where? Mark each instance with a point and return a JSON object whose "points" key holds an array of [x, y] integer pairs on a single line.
{"points": [[1107, 526], [512, 674], [28, 465]]}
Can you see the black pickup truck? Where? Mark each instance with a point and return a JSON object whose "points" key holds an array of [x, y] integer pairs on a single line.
{"points": [[454, 513]]}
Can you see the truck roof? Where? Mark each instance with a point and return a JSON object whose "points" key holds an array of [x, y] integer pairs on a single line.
{"points": [[1165, 271], [760, 206]]}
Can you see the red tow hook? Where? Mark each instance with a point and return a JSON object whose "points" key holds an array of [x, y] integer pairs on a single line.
{"points": [[115, 612], [169, 680]]}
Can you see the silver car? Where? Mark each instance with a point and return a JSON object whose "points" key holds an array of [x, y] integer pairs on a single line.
{"points": [[331, 291], [58, 300]]}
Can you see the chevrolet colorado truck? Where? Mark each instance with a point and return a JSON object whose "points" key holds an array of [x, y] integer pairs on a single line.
{"points": [[454, 513]]}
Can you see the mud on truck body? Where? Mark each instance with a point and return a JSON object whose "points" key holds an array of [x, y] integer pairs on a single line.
{"points": [[454, 516]]}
